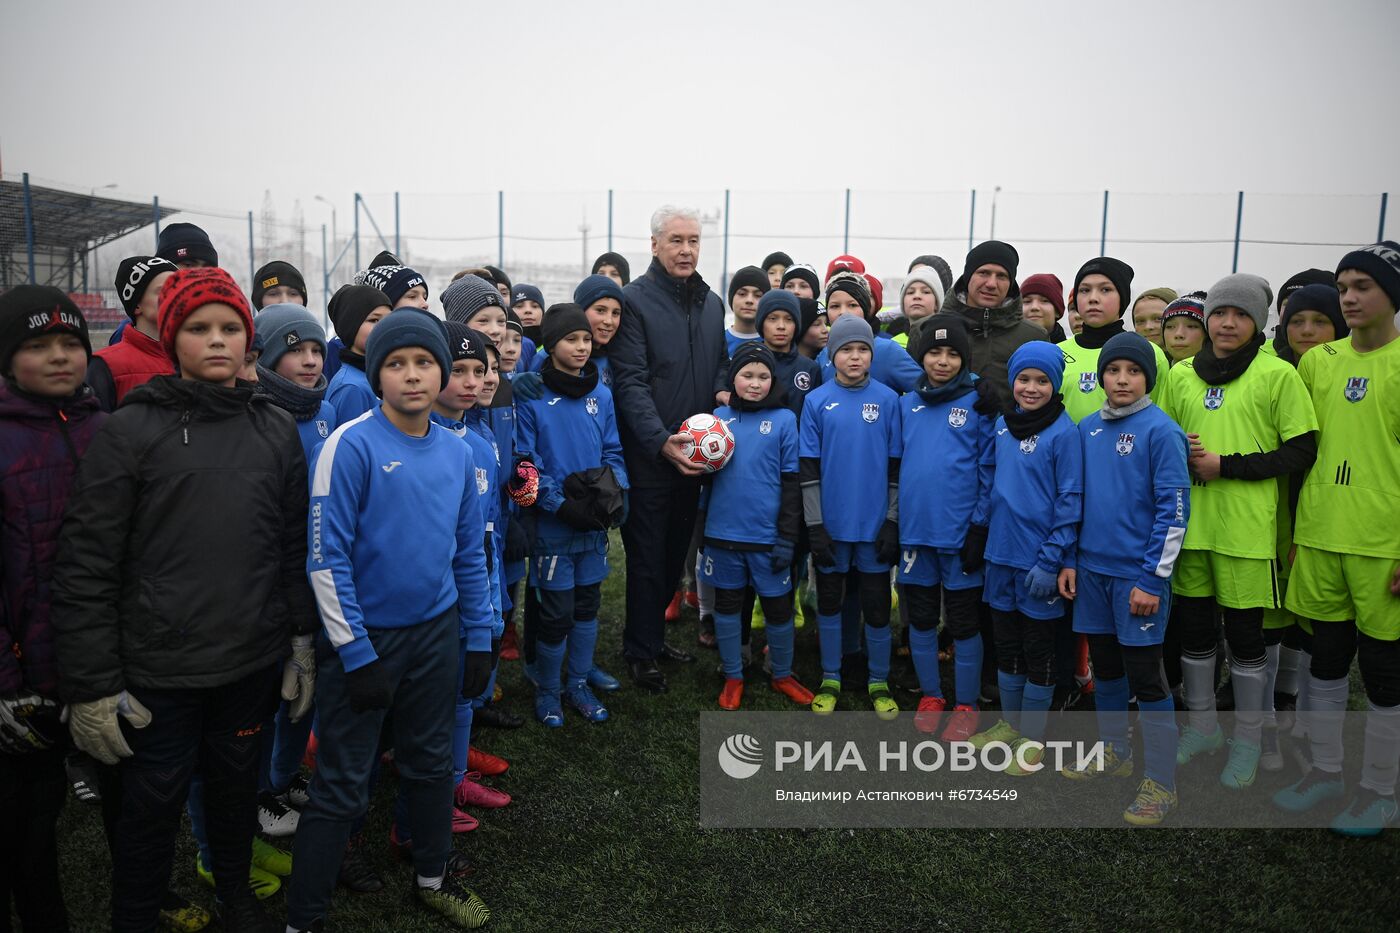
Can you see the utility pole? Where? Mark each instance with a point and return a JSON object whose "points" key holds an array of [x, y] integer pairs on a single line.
{"points": [[583, 228]]}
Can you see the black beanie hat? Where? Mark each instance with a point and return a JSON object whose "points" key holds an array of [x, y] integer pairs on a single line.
{"points": [[134, 275], [617, 261], [183, 242], [28, 311], [498, 276], [1116, 271], [1381, 261], [560, 321], [349, 307], [939, 265], [463, 343], [991, 252], [1316, 297], [943, 330], [750, 351], [1133, 347], [853, 284], [749, 275], [811, 310], [1297, 281], [779, 258], [384, 258], [806, 274], [514, 323], [274, 274]]}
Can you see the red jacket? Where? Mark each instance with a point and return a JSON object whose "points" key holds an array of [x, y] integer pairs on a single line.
{"points": [[132, 361]]}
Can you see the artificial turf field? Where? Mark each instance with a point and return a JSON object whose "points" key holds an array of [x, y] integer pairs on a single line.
{"points": [[604, 834]]}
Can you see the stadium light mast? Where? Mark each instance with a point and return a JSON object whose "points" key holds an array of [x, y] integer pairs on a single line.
{"points": [[995, 191]]}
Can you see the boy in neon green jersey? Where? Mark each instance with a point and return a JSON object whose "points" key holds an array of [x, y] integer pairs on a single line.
{"points": [[1346, 575], [1249, 421]]}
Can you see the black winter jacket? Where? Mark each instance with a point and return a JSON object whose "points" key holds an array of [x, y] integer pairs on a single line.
{"points": [[182, 559]]}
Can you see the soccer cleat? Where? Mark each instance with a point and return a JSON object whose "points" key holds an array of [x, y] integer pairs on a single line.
{"points": [[692, 599], [791, 688], [471, 792], [1114, 765], [825, 699], [1366, 815], [756, 620], [885, 706], [1152, 804], [485, 762], [1028, 750], [180, 916], [455, 902], [961, 724], [495, 716], [1242, 767], [262, 883], [548, 710], [1001, 732], [799, 615], [510, 647], [1314, 788], [1270, 758], [356, 870], [673, 611], [732, 693], [600, 681], [298, 792], [463, 822], [271, 859], [929, 713], [244, 915], [1193, 743], [275, 818], [458, 864], [582, 700]]}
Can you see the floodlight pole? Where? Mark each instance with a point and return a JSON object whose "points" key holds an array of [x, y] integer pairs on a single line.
{"points": [[29, 226]]}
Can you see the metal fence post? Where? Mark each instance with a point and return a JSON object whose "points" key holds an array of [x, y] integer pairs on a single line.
{"points": [[610, 212], [29, 226], [1380, 230], [358, 267], [252, 255], [1239, 222], [846, 236], [501, 228], [972, 218], [396, 227], [1103, 226], [724, 264], [155, 209], [325, 272]]}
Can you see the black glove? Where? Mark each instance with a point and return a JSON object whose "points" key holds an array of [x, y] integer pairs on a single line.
{"points": [[477, 673], [823, 548], [528, 386], [517, 542], [887, 543], [369, 687], [987, 404], [780, 557], [576, 514], [974, 549]]}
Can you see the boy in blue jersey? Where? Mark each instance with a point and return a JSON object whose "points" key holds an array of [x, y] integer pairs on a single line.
{"points": [[1036, 507], [753, 512], [571, 435], [395, 607], [779, 316], [527, 302], [1136, 502], [746, 289], [354, 311], [848, 293], [850, 437], [944, 499]]}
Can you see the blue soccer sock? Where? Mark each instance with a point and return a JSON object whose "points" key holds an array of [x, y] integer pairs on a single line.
{"points": [[549, 658], [877, 643], [780, 648], [461, 738], [582, 638], [1035, 707], [829, 638], [1011, 687], [727, 636], [923, 648], [1158, 719], [967, 669], [1111, 709]]}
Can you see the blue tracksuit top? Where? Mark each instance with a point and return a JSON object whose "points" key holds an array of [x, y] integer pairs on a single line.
{"points": [[395, 535], [798, 376], [945, 476], [484, 454], [745, 496], [1136, 508], [316, 429], [854, 432], [734, 341], [890, 364], [349, 394], [597, 359], [1037, 497], [564, 435]]}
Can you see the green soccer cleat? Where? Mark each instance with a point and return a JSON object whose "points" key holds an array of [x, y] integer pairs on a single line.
{"points": [[1366, 815], [1114, 765], [1193, 743], [263, 884], [756, 620], [455, 902], [799, 615], [1314, 788], [1242, 767], [271, 859], [1001, 732], [1029, 749], [1152, 804], [825, 700], [885, 706]]}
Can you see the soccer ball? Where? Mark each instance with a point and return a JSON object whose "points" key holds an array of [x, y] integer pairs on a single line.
{"points": [[710, 444]]}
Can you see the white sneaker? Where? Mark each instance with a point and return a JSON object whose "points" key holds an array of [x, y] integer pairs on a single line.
{"points": [[298, 793], [275, 818]]}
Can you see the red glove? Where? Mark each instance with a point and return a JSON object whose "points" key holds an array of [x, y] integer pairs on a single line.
{"points": [[524, 484]]}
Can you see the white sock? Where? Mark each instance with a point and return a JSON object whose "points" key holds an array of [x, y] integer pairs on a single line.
{"points": [[1380, 761], [1198, 689], [705, 596], [1288, 667], [1271, 657], [1249, 678], [1327, 702], [433, 884], [1300, 722]]}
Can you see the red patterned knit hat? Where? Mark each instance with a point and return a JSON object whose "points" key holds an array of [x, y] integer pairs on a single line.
{"points": [[188, 290]]}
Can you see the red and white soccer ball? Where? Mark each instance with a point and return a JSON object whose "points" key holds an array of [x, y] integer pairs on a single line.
{"points": [[710, 443]]}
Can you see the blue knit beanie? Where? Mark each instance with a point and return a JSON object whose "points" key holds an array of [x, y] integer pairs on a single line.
{"points": [[406, 327], [525, 292], [1132, 347], [281, 327], [594, 288], [1037, 354], [778, 299]]}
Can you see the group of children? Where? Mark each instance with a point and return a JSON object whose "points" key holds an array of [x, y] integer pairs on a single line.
{"points": [[233, 546]]}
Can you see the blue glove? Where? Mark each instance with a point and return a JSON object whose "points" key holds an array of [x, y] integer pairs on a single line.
{"points": [[528, 386], [1042, 584], [780, 557]]}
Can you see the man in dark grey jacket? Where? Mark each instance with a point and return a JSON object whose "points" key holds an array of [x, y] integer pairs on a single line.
{"points": [[664, 360]]}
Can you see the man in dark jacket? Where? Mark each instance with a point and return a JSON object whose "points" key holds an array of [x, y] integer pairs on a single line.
{"points": [[665, 357]]}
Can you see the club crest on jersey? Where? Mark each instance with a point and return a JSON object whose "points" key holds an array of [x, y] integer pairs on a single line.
{"points": [[481, 483], [803, 380], [1088, 382], [323, 427], [765, 427], [1028, 444], [1125, 444], [591, 406], [957, 417], [870, 411], [1355, 389], [1215, 397]]}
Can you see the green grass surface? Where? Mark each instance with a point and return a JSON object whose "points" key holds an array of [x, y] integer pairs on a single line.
{"points": [[604, 834]]}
